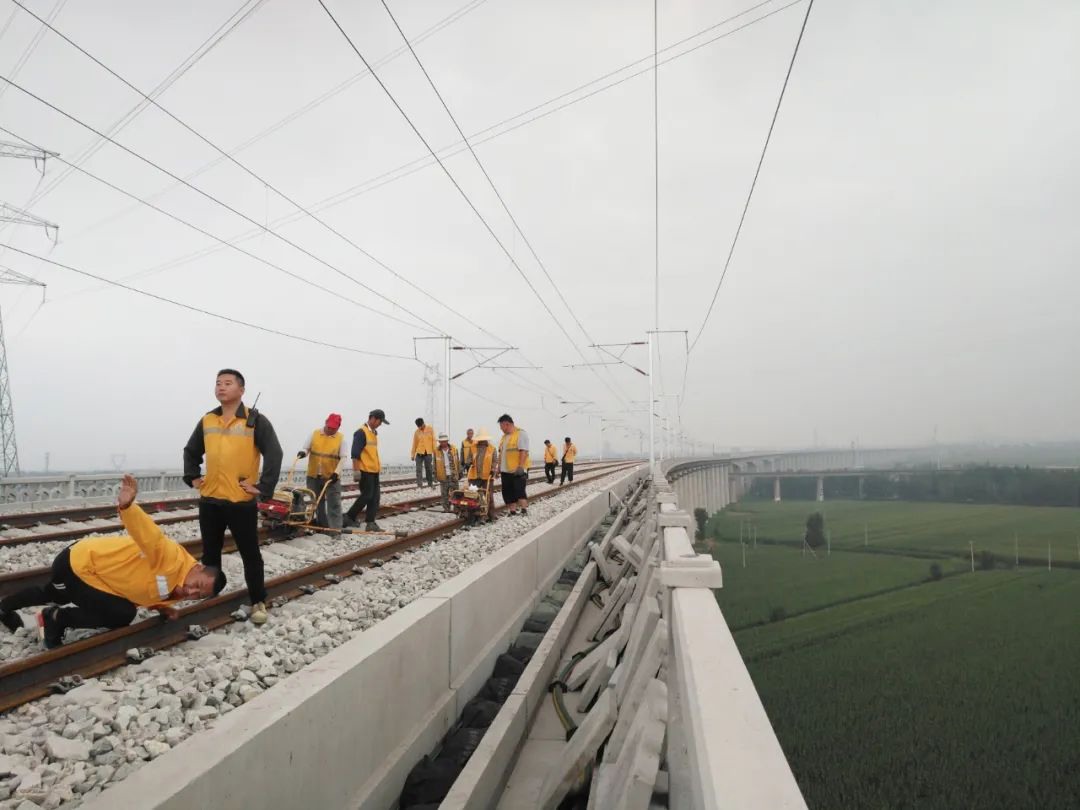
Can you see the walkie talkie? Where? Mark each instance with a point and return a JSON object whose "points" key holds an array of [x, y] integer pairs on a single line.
{"points": [[252, 413]]}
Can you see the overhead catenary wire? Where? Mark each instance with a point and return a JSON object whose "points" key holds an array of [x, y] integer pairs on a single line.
{"points": [[200, 310], [449, 175], [247, 170], [299, 112], [210, 235], [749, 194], [757, 173], [262, 227], [502, 201], [478, 138], [242, 14], [427, 326]]}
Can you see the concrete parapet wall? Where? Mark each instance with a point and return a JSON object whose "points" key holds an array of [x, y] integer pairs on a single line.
{"points": [[345, 731]]}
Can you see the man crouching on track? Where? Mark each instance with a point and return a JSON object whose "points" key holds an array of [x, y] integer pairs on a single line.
{"points": [[106, 578]]}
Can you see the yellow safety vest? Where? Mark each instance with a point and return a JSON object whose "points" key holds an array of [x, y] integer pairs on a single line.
{"points": [[423, 441], [468, 450], [325, 454], [549, 454], [569, 453], [518, 459], [231, 457], [440, 465], [481, 470], [369, 456]]}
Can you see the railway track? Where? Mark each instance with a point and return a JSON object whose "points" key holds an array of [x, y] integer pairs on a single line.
{"points": [[16, 580], [34, 676], [160, 509]]}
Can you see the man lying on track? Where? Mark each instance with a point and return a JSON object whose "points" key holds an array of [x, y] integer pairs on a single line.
{"points": [[104, 579]]}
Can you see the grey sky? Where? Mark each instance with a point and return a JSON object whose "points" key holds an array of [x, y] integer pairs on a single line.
{"points": [[907, 260]]}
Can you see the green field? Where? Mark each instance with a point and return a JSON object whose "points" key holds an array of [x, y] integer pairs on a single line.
{"points": [[889, 689], [944, 528]]}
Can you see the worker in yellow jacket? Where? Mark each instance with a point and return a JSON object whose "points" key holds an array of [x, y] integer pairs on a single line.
{"points": [[485, 463], [468, 449], [423, 451], [323, 451], [551, 461], [366, 469], [514, 465], [447, 469], [569, 453], [234, 439], [104, 579]]}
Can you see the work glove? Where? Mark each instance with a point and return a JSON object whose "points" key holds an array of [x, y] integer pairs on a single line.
{"points": [[301, 454]]}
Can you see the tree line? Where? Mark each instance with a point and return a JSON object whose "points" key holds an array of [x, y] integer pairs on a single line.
{"points": [[1022, 486]]}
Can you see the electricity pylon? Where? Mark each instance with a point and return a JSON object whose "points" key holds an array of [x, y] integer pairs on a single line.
{"points": [[9, 448]]}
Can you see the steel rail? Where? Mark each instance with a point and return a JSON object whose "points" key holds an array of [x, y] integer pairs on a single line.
{"points": [[33, 676]]}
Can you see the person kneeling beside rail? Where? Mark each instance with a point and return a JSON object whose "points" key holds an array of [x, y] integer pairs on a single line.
{"points": [[103, 580]]}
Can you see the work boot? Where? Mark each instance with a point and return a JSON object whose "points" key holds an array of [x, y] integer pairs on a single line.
{"points": [[372, 527], [11, 620], [50, 629], [349, 522], [258, 613]]}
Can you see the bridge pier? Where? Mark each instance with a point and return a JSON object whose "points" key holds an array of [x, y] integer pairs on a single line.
{"points": [[821, 488], [862, 482], [776, 490]]}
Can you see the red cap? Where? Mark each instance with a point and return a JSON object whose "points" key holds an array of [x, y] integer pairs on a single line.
{"points": [[333, 420]]}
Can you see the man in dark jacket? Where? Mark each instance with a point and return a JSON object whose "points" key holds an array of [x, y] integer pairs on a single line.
{"points": [[233, 439]]}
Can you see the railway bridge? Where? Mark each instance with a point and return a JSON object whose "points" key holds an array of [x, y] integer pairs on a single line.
{"points": [[581, 652]]}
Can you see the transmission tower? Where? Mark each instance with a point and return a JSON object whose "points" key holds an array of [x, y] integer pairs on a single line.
{"points": [[9, 213], [7, 414], [433, 380]]}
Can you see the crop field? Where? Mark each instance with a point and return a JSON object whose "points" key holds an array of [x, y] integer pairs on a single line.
{"points": [[891, 689], [936, 528]]}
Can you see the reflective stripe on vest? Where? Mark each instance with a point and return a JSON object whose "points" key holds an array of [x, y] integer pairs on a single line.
{"points": [[519, 459], [231, 457], [325, 454], [369, 456]]}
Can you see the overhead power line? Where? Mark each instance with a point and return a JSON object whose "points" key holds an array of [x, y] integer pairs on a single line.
{"points": [[247, 170], [196, 189], [218, 239], [750, 193], [498, 195], [201, 311], [757, 173], [482, 136], [306, 108], [447, 172], [242, 14]]}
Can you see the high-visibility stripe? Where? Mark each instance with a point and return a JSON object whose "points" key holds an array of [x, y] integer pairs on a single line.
{"points": [[236, 430]]}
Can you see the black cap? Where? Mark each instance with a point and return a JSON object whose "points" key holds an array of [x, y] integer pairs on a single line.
{"points": [[506, 418], [379, 414]]}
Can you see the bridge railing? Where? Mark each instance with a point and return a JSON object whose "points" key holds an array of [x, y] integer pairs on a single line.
{"points": [[722, 750]]}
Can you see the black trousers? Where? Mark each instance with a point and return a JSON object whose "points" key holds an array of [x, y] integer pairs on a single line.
{"points": [[567, 471], [513, 487], [368, 499], [242, 520], [549, 471], [92, 608]]}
